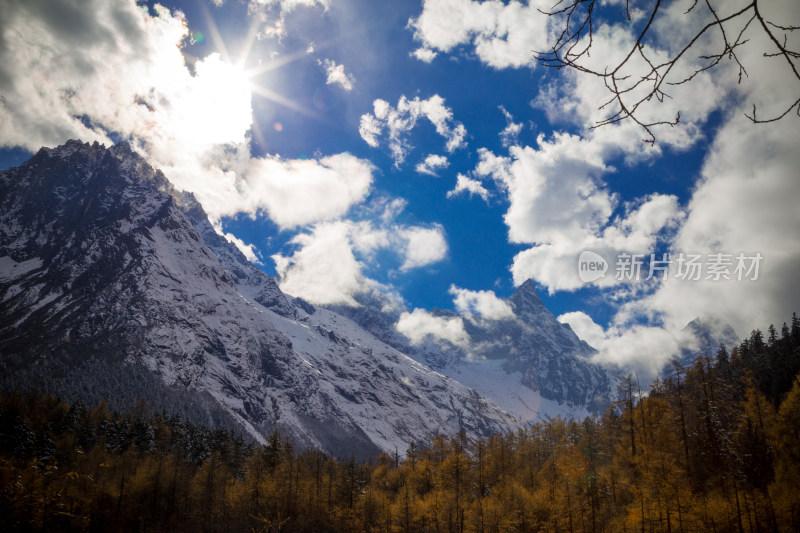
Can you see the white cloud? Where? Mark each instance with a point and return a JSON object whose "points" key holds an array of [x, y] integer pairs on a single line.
{"points": [[745, 202], [501, 34], [510, 133], [336, 74], [431, 164], [122, 70], [423, 246], [426, 55], [643, 350], [50, 80], [370, 129], [248, 250], [398, 121], [584, 327], [299, 192], [576, 98], [483, 303], [273, 14], [324, 269], [329, 262], [469, 186], [421, 326], [560, 205]]}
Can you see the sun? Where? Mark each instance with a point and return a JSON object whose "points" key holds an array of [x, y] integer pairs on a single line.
{"points": [[216, 105]]}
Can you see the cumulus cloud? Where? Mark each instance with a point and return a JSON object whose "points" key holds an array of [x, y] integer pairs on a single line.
{"points": [[745, 203], [466, 185], [421, 326], [331, 257], [300, 192], [483, 303], [575, 98], [324, 269], [248, 250], [422, 246], [640, 349], [559, 204], [584, 327], [431, 164], [397, 122], [336, 74], [500, 34], [507, 35], [51, 77]]}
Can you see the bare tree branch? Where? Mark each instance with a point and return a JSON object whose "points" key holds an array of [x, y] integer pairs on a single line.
{"points": [[574, 42]]}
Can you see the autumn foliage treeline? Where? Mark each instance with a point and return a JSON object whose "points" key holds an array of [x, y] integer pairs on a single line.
{"points": [[716, 447]]}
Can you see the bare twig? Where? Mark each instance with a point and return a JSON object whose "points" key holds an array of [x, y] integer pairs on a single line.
{"points": [[575, 40]]}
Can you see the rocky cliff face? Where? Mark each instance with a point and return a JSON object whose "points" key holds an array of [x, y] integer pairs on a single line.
{"points": [[528, 363], [113, 285]]}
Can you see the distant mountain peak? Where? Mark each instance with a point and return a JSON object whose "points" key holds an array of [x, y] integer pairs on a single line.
{"points": [[526, 299], [711, 332], [705, 335]]}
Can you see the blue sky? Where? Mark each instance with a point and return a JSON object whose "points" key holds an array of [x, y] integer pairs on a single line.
{"points": [[300, 126]]}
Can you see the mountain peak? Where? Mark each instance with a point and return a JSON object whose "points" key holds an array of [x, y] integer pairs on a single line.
{"points": [[528, 286], [526, 298], [116, 287], [711, 332]]}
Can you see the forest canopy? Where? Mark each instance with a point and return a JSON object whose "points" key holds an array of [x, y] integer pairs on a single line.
{"points": [[713, 447]]}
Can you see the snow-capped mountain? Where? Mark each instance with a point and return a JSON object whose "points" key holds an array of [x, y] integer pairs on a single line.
{"points": [[115, 286], [703, 336], [528, 363]]}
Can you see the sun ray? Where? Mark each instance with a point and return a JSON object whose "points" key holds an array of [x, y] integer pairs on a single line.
{"points": [[286, 102], [216, 37], [247, 45], [240, 70], [275, 63]]}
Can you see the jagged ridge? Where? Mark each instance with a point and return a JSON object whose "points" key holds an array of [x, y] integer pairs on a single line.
{"points": [[115, 285]]}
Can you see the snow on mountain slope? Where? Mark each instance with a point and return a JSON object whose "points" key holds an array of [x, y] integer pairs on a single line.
{"points": [[528, 364], [337, 347], [112, 288]]}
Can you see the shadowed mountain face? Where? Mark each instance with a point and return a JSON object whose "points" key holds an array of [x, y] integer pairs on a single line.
{"points": [[527, 362], [114, 286]]}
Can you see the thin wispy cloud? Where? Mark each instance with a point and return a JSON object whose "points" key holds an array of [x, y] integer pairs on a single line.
{"points": [[336, 74], [432, 164], [393, 124], [470, 187]]}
